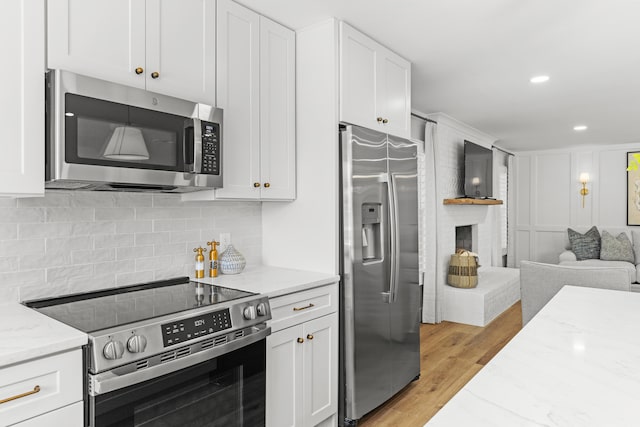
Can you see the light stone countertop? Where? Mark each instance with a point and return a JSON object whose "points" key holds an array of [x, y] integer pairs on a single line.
{"points": [[271, 281], [576, 363], [26, 334]]}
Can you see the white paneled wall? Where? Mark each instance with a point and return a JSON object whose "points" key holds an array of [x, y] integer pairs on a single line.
{"points": [[548, 196], [78, 241]]}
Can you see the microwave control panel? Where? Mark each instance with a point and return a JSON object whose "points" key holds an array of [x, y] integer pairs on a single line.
{"points": [[210, 148]]}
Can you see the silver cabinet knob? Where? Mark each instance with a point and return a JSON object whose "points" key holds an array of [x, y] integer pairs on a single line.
{"points": [[261, 309], [113, 350], [136, 343], [249, 312]]}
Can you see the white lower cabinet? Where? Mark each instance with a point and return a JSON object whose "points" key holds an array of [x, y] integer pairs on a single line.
{"points": [[302, 360], [69, 416], [36, 390]]}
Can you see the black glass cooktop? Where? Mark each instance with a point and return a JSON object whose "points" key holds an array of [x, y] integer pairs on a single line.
{"points": [[95, 311]]}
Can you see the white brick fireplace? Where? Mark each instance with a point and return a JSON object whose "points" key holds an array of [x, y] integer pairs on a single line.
{"points": [[448, 154]]}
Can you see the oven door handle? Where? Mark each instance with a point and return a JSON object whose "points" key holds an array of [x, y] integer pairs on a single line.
{"points": [[106, 382]]}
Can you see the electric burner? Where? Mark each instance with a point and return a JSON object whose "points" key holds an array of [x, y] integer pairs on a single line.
{"points": [[90, 312]]}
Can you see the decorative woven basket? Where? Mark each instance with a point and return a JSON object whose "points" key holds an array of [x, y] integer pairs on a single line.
{"points": [[463, 270]]}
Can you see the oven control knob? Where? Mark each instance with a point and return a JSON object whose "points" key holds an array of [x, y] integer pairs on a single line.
{"points": [[113, 350], [136, 343], [249, 312], [261, 309]]}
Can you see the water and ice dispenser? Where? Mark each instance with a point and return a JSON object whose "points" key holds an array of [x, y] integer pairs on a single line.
{"points": [[371, 232]]}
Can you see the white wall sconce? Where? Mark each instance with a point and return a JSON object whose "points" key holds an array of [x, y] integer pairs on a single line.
{"points": [[584, 178]]}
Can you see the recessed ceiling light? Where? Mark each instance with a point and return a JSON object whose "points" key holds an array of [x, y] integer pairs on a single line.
{"points": [[69, 114], [539, 79], [580, 127]]}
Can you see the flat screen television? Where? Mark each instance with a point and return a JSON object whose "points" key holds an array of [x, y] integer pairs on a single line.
{"points": [[478, 171]]}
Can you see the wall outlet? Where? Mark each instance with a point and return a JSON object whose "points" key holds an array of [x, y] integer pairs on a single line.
{"points": [[225, 240]]}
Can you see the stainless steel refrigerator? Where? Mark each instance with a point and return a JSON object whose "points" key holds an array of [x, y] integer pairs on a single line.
{"points": [[380, 295]]}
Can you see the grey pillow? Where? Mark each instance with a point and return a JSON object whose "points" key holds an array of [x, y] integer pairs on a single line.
{"points": [[587, 245], [616, 249], [635, 237]]}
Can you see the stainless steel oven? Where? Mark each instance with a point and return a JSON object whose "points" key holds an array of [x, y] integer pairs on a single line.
{"points": [[105, 136], [228, 390], [170, 353]]}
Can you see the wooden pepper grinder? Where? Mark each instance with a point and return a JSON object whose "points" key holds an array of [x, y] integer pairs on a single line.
{"points": [[213, 258]]}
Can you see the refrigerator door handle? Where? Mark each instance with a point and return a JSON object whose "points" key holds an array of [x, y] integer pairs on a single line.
{"points": [[394, 238]]}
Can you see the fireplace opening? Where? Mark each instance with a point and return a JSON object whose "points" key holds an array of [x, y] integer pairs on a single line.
{"points": [[464, 237]]}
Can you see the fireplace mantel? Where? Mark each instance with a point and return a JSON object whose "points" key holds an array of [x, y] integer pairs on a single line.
{"points": [[469, 201]]}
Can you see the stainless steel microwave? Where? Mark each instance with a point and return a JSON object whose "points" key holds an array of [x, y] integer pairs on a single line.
{"points": [[105, 136]]}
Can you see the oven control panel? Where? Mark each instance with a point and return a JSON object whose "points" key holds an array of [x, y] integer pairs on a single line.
{"points": [[195, 327]]}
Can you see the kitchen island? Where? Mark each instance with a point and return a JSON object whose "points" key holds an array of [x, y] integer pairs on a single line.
{"points": [[576, 363]]}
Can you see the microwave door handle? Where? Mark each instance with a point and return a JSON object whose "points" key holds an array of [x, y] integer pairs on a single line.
{"points": [[192, 150]]}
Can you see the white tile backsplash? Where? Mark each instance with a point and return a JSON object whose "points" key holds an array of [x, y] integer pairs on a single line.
{"points": [[69, 242]]}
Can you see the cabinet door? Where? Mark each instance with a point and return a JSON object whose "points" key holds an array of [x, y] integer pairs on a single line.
{"points": [[277, 111], [22, 26], [41, 386], [180, 49], [284, 378], [69, 416], [102, 39], [358, 90], [238, 92], [320, 369], [394, 93]]}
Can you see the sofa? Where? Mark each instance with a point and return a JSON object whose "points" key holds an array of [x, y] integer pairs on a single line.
{"points": [[630, 264], [539, 282]]}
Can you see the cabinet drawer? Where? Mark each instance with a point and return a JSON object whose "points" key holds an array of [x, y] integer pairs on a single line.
{"points": [[298, 307], [45, 384], [69, 416]]}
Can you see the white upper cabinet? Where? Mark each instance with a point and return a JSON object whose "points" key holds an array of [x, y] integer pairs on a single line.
{"points": [[277, 111], [180, 46], [22, 24], [375, 84], [256, 90], [160, 45], [238, 95]]}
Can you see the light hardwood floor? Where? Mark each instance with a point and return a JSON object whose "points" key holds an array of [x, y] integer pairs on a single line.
{"points": [[451, 354]]}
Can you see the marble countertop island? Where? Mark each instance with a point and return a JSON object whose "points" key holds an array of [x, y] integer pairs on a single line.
{"points": [[576, 363]]}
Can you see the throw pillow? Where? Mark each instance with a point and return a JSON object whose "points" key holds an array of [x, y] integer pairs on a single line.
{"points": [[616, 249], [587, 245], [635, 237]]}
